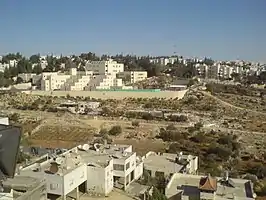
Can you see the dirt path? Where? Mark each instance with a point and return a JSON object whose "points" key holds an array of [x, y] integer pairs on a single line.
{"points": [[231, 105]]}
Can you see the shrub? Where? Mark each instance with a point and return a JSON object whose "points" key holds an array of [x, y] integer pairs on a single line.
{"points": [[135, 123], [222, 152], [178, 118], [103, 131], [147, 116], [260, 188], [115, 130]]}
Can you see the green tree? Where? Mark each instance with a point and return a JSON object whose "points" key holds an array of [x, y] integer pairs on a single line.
{"points": [[35, 58], [7, 73], [37, 69], [19, 80], [157, 195], [24, 66], [115, 130]]}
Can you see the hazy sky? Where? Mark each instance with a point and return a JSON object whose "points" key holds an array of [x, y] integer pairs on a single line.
{"points": [[221, 29]]}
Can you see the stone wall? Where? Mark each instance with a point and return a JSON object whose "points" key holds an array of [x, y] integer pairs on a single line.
{"points": [[113, 94]]}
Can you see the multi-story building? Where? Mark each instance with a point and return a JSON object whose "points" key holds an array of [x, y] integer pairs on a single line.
{"points": [[3, 66], [202, 70], [13, 63], [104, 67], [26, 77], [133, 76], [62, 174], [164, 60], [95, 169], [97, 75]]}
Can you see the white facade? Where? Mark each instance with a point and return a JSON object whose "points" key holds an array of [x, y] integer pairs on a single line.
{"points": [[4, 121], [13, 63], [26, 77], [96, 168], [104, 67], [99, 179], [3, 66], [167, 163], [135, 76]]}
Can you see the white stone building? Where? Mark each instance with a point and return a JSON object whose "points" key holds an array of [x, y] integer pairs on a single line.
{"points": [[166, 164], [98, 75], [95, 169]]}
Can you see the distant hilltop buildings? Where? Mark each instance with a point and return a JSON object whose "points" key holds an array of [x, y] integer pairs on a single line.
{"points": [[97, 75], [89, 72]]}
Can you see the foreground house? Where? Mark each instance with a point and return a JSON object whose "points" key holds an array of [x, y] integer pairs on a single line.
{"points": [[94, 169], [166, 164], [185, 187]]}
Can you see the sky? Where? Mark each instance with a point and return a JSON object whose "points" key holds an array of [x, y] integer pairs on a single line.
{"points": [[220, 29]]}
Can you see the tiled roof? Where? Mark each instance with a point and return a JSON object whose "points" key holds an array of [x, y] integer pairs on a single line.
{"points": [[208, 183]]}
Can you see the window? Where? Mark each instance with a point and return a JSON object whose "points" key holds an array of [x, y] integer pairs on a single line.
{"points": [[133, 164], [127, 166], [118, 167], [54, 186]]}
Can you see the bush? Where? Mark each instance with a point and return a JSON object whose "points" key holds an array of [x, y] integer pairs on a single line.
{"points": [[115, 130], [171, 134], [135, 123], [223, 152], [178, 118], [260, 188], [103, 131], [147, 116]]}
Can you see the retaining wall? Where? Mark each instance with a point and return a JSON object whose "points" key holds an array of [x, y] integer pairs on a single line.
{"points": [[112, 94]]}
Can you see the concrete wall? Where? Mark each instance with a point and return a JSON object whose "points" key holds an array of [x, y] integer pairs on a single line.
{"points": [[6, 196], [139, 171], [37, 193], [113, 94], [74, 178], [54, 184], [4, 121], [100, 180]]}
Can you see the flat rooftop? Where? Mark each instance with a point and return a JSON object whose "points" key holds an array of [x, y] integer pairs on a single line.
{"points": [[66, 163], [165, 162], [189, 184], [105, 153], [22, 183]]}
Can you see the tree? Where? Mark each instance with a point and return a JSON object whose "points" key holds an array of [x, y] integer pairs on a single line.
{"points": [[157, 195], [35, 58], [7, 73], [19, 80], [24, 66], [115, 130], [37, 69]]}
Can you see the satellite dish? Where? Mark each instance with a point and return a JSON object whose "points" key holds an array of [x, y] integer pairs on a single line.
{"points": [[86, 147], [10, 137]]}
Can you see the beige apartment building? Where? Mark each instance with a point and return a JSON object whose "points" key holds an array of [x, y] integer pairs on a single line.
{"points": [[98, 75]]}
